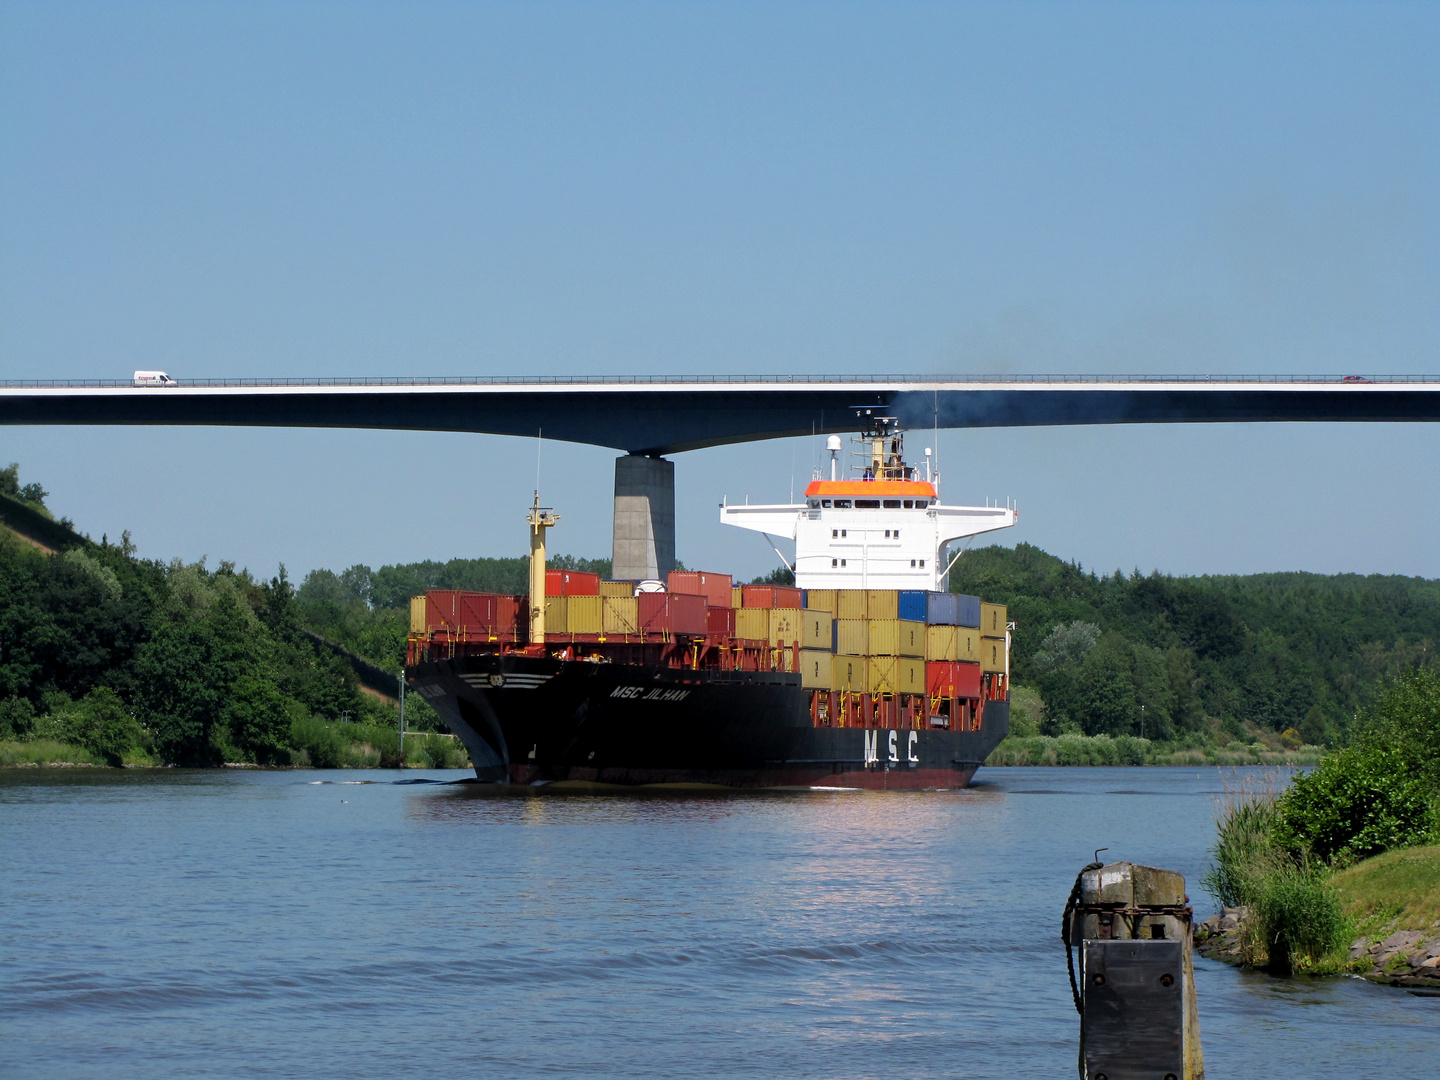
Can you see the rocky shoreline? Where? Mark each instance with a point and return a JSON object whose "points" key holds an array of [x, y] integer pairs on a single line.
{"points": [[1408, 959]]}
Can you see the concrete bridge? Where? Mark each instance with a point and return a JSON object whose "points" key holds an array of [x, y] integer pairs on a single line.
{"points": [[651, 416]]}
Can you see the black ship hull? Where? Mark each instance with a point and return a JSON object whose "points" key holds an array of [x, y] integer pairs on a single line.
{"points": [[530, 720]]}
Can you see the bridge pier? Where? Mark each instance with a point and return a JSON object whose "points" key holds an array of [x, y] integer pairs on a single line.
{"points": [[644, 544]]}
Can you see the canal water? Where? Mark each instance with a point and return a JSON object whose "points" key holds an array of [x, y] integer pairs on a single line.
{"points": [[172, 924]]}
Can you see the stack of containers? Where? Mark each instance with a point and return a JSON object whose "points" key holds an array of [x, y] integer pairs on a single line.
{"points": [[619, 610], [952, 646], [457, 615], [992, 638]]}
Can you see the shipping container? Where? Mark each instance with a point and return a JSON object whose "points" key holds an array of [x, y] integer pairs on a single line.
{"points": [[852, 636], [913, 605], [617, 588], [884, 637], [789, 596], [442, 610], [942, 643], [417, 615], [757, 596], [942, 609], [714, 587], [675, 613], [817, 630], [583, 614], [950, 678], [736, 596], [556, 610], [820, 600], [910, 675], [969, 648], [852, 604], [720, 621], [992, 654], [883, 604], [815, 669], [911, 638], [883, 675], [619, 615], [571, 583], [785, 625], [752, 623], [992, 620], [969, 614], [850, 673]]}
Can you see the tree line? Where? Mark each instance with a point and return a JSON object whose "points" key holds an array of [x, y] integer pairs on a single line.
{"points": [[1214, 656]]}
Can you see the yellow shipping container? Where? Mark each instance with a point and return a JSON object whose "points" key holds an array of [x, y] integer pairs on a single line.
{"points": [[849, 673], [910, 675], [942, 643], [753, 622], [820, 600], [620, 614], [852, 604], [785, 625], [969, 645], [852, 636], [883, 604], [815, 669], [816, 632], [417, 614], [884, 675], [582, 615], [992, 654], [556, 609], [884, 637], [617, 588], [912, 639], [992, 620]]}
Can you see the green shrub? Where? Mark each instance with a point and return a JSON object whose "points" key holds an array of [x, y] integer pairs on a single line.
{"points": [[1296, 915], [1358, 803]]}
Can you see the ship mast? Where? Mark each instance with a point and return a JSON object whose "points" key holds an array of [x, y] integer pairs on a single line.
{"points": [[540, 519]]}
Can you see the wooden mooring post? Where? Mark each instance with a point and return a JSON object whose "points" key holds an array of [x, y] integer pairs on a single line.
{"points": [[1135, 987]]}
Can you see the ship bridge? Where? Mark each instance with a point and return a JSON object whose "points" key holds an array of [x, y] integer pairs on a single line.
{"points": [[650, 417]]}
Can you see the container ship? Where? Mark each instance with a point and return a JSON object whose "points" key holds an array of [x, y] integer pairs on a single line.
{"points": [[865, 674]]}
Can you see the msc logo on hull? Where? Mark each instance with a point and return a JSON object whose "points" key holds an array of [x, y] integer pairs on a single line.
{"points": [[872, 747]]}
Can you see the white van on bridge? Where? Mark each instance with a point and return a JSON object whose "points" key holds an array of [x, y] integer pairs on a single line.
{"points": [[154, 378]]}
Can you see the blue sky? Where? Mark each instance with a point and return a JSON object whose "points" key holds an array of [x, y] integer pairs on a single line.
{"points": [[453, 189]]}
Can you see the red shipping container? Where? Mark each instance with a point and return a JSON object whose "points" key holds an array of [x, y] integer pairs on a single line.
{"points": [[785, 596], [442, 609], [952, 678], [720, 621], [571, 583], [757, 596], [714, 587], [678, 613]]}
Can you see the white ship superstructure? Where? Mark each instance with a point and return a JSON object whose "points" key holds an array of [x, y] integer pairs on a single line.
{"points": [[885, 529]]}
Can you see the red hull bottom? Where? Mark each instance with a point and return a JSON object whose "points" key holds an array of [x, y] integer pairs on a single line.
{"points": [[871, 779]]}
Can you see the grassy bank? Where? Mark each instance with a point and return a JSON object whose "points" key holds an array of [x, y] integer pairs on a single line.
{"points": [[317, 745], [1346, 855], [1130, 750]]}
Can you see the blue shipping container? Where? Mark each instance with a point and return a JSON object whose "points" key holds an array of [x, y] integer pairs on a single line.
{"points": [[969, 610], [941, 608], [912, 605]]}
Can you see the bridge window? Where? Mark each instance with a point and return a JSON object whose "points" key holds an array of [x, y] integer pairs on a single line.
{"points": [[842, 504], [825, 503], [892, 504], [814, 504], [867, 504], [909, 504]]}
